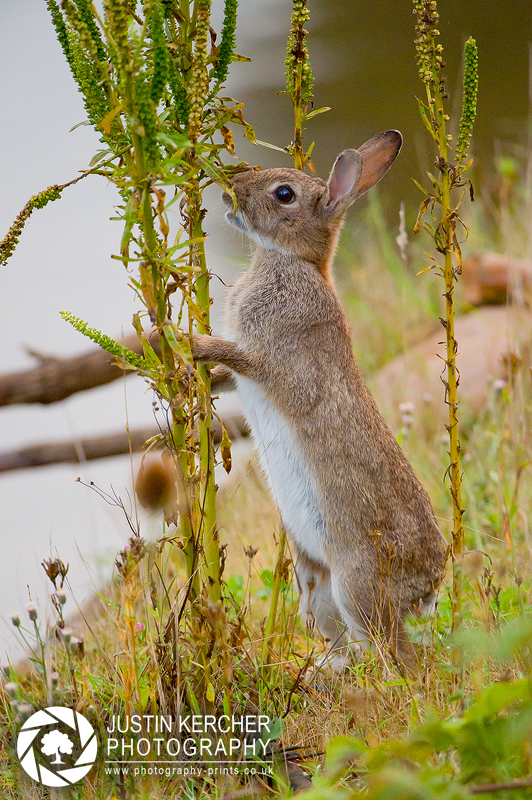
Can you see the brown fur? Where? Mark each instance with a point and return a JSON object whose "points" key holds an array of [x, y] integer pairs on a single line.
{"points": [[384, 551]]}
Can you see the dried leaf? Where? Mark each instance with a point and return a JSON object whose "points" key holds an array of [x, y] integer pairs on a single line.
{"points": [[105, 124], [249, 133], [163, 222], [422, 209], [228, 140], [225, 449], [147, 290]]}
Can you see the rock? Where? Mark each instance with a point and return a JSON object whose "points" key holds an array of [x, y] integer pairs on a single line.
{"points": [[493, 278], [489, 340]]}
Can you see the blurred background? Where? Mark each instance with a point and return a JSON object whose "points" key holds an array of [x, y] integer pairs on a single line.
{"points": [[364, 66]]}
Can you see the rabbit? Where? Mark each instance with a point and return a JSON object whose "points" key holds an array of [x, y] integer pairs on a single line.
{"points": [[367, 549]]}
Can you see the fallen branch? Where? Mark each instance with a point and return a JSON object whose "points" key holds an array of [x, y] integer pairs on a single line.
{"points": [[298, 778], [89, 449], [521, 783], [54, 379]]}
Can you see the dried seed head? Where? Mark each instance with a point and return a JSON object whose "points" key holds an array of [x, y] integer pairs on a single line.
{"points": [[32, 611], [67, 634], [55, 569], [11, 689], [25, 711], [77, 646], [61, 596], [128, 558], [156, 483]]}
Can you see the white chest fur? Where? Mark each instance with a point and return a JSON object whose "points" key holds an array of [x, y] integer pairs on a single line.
{"points": [[290, 479]]}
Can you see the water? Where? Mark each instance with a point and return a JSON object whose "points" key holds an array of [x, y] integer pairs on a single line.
{"points": [[363, 58]]}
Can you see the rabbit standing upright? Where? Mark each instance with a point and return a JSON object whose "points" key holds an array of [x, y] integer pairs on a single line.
{"points": [[367, 547]]}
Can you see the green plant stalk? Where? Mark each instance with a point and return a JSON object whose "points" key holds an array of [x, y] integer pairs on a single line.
{"points": [[446, 246], [299, 118], [455, 474], [206, 491], [178, 418], [207, 497], [298, 79], [451, 349], [189, 529], [271, 622]]}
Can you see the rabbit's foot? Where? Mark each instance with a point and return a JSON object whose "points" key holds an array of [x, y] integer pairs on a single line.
{"points": [[338, 659]]}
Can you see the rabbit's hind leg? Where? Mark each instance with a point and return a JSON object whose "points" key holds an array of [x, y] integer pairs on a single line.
{"points": [[371, 617], [317, 606], [357, 635]]}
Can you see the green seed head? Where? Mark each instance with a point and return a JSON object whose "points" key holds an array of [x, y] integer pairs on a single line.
{"points": [[469, 103]]}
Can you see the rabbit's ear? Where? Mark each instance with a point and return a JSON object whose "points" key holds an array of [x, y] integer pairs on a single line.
{"points": [[356, 171], [378, 155], [343, 181]]}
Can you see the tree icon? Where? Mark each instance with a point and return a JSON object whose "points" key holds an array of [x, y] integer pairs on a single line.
{"points": [[55, 742]]}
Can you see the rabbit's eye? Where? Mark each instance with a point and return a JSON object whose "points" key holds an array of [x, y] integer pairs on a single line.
{"points": [[284, 194]]}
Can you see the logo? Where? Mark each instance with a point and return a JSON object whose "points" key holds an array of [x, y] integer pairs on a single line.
{"points": [[57, 746]]}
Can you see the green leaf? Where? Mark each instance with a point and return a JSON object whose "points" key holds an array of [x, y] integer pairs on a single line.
{"points": [[340, 751], [514, 637], [217, 174], [421, 189], [176, 140], [178, 341], [236, 57], [317, 111], [79, 124], [130, 217], [273, 730], [424, 117], [496, 697], [271, 146]]}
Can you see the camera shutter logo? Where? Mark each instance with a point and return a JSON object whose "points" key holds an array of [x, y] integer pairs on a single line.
{"points": [[40, 736]]}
